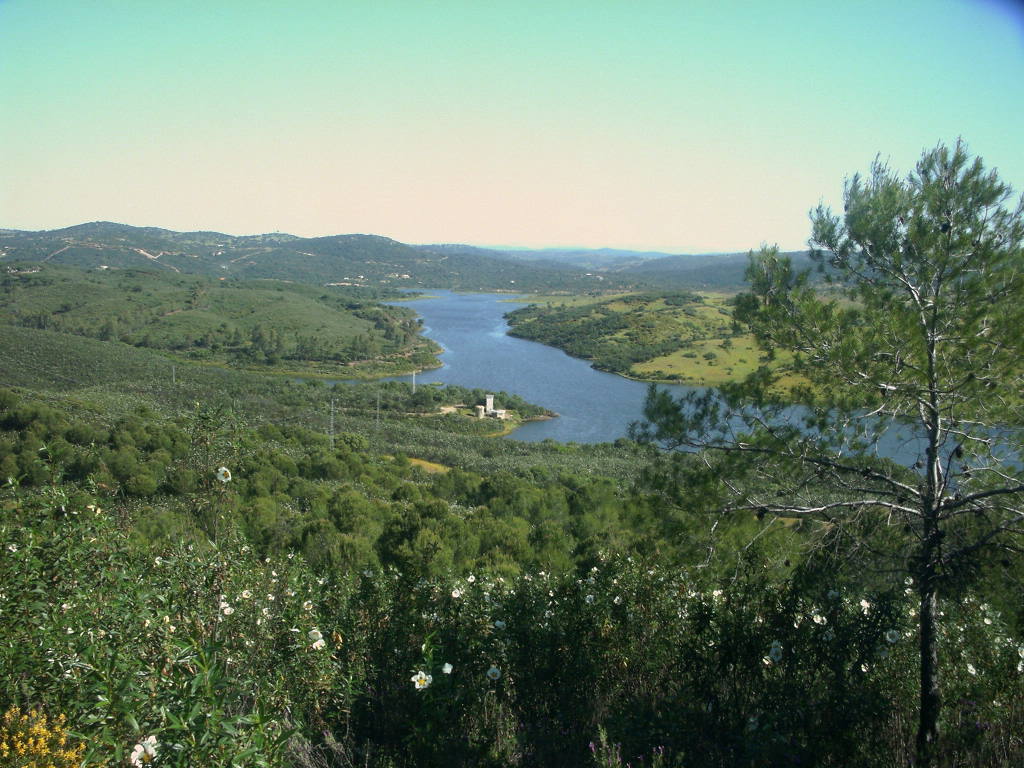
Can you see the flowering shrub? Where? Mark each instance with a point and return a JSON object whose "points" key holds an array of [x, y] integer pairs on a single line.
{"points": [[217, 655], [29, 739]]}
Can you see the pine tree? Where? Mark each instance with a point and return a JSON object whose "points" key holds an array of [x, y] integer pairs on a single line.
{"points": [[917, 331]]}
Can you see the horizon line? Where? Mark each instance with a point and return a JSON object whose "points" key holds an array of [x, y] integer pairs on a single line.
{"points": [[665, 251]]}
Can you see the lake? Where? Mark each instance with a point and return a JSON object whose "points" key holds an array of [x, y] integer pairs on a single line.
{"points": [[592, 406]]}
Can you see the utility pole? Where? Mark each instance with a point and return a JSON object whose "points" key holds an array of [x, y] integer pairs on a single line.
{"points": [[174, 379], [414, 382]]}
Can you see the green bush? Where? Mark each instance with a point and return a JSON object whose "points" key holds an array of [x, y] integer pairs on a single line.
{"points": [[224, 655]]}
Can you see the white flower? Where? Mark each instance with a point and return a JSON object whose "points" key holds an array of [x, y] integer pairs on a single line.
{"points": [[971, 669], [499, 624], [456, 593], [314, 635], [987, 620], [144, 752], [589, 599], [319, 644], [471, 578], [246, 594], [421, 680], [158, 561], [308, 605], [493, 673], [223, 474], [227, 609], [865, 605], [270, 597], [447, 669], [892, 636], [617, 599], [819, 619]]}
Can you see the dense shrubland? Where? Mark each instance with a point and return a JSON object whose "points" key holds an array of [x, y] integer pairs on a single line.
{"points": [[227, 657], [261, 323], [283, 616], [293, 491]]}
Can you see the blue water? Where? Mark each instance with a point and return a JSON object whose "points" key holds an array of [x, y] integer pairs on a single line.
{"points": [[592, 406]]}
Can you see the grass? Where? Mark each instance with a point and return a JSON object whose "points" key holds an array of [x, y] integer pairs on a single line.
{"points": [[430, 466], [736, 360]]}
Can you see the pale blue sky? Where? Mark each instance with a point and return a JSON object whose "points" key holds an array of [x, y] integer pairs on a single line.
{"points": [[679, 126]]}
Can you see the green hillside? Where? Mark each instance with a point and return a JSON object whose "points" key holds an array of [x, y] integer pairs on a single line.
{"points": [[350, 260], [685, 337], [372, 260], [272, 324]]}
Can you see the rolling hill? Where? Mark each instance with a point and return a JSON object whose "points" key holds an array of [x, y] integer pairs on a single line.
{"points": [[359, 260], [372, 260]]}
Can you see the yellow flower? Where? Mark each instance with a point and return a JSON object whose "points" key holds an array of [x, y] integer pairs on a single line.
{"points": [[28, 736]]}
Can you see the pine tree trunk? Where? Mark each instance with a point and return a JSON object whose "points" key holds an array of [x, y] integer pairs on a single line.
{"points": [[928, 721]]}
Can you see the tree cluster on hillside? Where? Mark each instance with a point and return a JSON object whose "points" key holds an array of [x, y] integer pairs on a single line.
{"points": [[296, 489], [255, 322]]}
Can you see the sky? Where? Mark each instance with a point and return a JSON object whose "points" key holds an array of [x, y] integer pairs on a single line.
{"points": [[683, 127]]}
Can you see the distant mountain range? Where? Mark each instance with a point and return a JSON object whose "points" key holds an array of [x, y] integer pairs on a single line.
{"points": [[369, 260]]}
